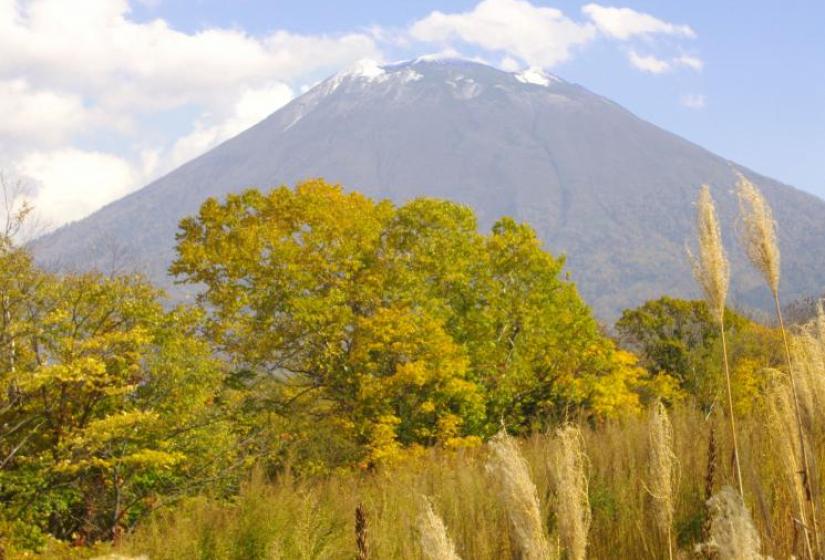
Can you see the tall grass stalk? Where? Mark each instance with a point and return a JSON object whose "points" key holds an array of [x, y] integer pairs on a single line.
{"points": [[662, 471], [782, 422], [518, 494], [570, 466], [759, 239], [809, 362], [435, 542], [710, 475], [712, 271]]}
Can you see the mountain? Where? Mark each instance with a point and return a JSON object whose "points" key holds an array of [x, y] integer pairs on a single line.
{"points": [[609, 190]]}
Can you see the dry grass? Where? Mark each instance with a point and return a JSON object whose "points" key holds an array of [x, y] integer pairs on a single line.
{"points": [[435, 542], [782, 427], [570, 467], [809, 362], [662, 466], [292, 519], [518, 494], [120, 557]]}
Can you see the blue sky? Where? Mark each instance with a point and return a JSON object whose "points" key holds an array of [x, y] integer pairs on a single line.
{"points": [[101, 96]]}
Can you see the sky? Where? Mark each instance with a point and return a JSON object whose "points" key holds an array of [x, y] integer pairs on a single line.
{"points": [[100, 97]]}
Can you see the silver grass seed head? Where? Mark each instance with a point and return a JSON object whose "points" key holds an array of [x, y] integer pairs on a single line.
{"points": [[435, 542], [570, 471], [519, 496], [758, 231], [710, 266], [662, 466]]}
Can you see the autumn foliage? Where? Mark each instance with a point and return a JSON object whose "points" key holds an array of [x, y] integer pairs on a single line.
{"points": [[338, 346], [401, 326]]}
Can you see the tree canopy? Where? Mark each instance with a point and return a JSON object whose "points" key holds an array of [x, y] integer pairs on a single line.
{"points": [[402, 325]]}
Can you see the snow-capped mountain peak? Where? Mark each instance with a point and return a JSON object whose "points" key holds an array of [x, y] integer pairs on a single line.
{"points": [[599, 184]]}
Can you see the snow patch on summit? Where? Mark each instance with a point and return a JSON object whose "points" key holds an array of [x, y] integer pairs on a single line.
{"points": [[360, 75], [535, 76], [447, 55], [366, 70]]}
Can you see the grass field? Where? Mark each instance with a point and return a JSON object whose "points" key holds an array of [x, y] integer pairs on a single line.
{"points": [[290, 519]]}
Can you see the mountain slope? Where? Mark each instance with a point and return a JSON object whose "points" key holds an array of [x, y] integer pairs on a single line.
{"points": [[611, 191]]}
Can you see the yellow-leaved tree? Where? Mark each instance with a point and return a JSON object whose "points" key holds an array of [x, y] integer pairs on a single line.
{"points": [[383, 327], [106, 402]]}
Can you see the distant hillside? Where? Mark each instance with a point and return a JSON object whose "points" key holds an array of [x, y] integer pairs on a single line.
{"points": [[613, 192]]}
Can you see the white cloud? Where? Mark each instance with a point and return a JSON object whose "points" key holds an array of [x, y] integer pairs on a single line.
{"points": [[70, 183], [624, 23], [38, 115], [93, 48], [252, 106], [648, 63], [255, 104], [693, 101], [692, 62], [656, 65], [150, 160], [538, 36], [85, 68], [509, 64]]}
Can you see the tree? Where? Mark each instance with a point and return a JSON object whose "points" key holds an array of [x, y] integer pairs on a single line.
{"points": [[400, 325], [110, 402], [679, 338]]}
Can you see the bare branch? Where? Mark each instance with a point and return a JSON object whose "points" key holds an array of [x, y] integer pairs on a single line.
{"points": [[18, 220]]}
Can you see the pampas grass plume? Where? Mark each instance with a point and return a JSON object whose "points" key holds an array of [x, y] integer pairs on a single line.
{"points": [[435, 542], [518, 494], [662, 470], [711, 265], [732, 533], [570, 465], [759, 231]]}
